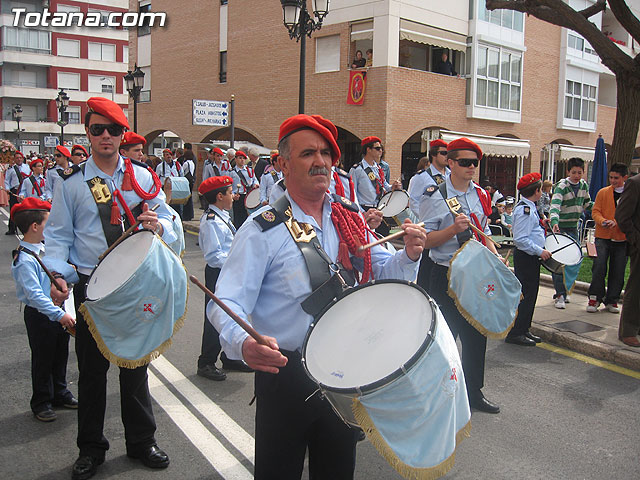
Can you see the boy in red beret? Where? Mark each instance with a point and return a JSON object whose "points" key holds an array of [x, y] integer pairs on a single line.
{"points": [[48, 340], [34, 185], [528, 236], [62, 156]]}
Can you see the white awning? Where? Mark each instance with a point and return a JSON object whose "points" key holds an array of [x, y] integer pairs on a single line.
{"points": [[569, 151], [362, 31], [494, 146], [417, 32]]}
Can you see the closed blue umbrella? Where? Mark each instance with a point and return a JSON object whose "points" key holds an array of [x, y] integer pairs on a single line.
{"points": [[599, 172]]}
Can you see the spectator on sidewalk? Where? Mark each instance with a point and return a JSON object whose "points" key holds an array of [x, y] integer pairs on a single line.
{"points": [[544, 204], [611, 244], [628, 218]]}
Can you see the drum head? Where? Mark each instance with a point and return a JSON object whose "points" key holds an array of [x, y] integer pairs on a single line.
{"points": [[563, 248], [252, 200], [394, 202], [364, 338], [119, 265]]}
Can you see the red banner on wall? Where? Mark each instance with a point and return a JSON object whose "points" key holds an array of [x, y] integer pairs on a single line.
{"points": [[357, 86]]}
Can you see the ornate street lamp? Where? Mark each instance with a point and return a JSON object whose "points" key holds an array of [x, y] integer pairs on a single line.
{"points": [[16, 113], [135, 83], [62, 102], [300, 25]]}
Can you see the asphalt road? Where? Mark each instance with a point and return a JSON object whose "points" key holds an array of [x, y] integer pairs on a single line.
{"points": [[561, 418]]}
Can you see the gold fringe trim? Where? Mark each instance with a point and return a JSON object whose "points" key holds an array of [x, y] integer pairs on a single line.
{"points": [[383, 448], [470, 318]]}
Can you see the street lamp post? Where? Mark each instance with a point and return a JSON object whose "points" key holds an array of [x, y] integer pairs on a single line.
{"points": [[135, 83], [16, 112], [300, 25], [62, 102]]}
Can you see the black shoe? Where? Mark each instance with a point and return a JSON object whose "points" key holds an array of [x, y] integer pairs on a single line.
{"points": [[46, 415], [70, 403], [237, 365], [9, 233], [85, 467], [151, 457], [212, 373], [520, 340], [533, 337], [484, 405]]}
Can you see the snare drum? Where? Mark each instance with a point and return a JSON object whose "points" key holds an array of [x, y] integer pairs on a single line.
{"points": [[136, 300], [401, 381], [565, 251], [177, 190], [252, 199], [394, 206]]}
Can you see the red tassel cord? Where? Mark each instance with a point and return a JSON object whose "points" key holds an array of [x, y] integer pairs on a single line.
{"points": [[352, 233]]}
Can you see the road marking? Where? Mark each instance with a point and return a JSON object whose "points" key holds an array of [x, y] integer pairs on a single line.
{"points": [[190, 232], [215, 453], [233, 432], [4, 210], [593, 361]]}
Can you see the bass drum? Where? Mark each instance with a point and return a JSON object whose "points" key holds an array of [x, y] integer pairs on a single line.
{"points": [[177, 190], [565, 251], [394, 206]]}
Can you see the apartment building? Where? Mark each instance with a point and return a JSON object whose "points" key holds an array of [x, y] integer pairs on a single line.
{"points": [[530, 93], [39, 60]]}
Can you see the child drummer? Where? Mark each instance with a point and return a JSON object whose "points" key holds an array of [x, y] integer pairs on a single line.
{"points": [[216, 235], [528, 236], [48, 340]]}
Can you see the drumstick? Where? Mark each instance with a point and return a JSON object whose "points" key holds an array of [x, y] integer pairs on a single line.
{"points": [[388, 238], [473, 227], [10, 192], [125, 234], [561, 248], [245, 326]]}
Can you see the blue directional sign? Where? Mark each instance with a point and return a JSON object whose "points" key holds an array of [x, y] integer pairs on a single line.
{"points": [[211, 113]]}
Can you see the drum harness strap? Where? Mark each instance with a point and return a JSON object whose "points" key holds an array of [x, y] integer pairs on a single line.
{"points": [[243, 179], [462, 237], [438, 178], [212, 214], [377, 183], [36, 188]]}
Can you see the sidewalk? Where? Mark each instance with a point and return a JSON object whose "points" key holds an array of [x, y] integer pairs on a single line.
{"points": [[592, 334]]}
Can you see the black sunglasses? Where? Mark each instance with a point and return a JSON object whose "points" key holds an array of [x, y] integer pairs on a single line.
{"points": [[377, 148], [442, 152], [467, 162], [58, 155], [80, 154], [98, 129]]}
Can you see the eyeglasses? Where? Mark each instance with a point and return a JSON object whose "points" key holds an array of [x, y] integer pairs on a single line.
{"points": [[442, 152], [467, 162], [80, 154], [377, 148], [98, 129]]}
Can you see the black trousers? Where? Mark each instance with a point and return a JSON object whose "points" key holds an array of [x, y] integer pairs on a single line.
{"points": [[12, 201], [49, 345], [210, 337], [287, 424], [383, 229], [527, 270], [474, 344], [135, 400], [424, 271], [630, 318], [239, 211]]}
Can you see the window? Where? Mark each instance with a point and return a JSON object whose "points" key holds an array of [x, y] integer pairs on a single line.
{"points": [[580, 102], [145, 29], [69, 81], [67, 8], [68, 48], [223, 67], [102, 84], [125, 54], [504, 18], [72, 114], [102, 51], [498, 77], [328, 54], [578, 43], [26, 39]]}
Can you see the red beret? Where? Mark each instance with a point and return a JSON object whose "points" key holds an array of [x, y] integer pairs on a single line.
{"points": [[218, 151], [213, 183], [274, 155], [438, 142], [132, 138], [166, 150], [240, 153], [35, 162], [108, 109], [30, 203], [18, 152], [321, 125], [63, 150], [529, 179], [81, 148], [367, 140], [464, 144]]}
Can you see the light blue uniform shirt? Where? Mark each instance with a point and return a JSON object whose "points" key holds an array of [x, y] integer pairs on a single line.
{"points": [[215, 237], [276, 192], [268, 283], [209, 170], [419, 183], [33, 286], [53, 178], [528, 234], [248, 177], [436, 215], [165, 170], [266, 184], [10, 178], [28, 190], [74, 231], [365, 191]]}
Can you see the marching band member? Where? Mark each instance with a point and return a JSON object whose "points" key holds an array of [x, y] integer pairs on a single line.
{"points": [[79, 154], [13, 178], [34, 184], [269, 179], [446, 233], [244, 180], [268, 285], [62, 157], [84, 221], [132, 146], [169, 167]]}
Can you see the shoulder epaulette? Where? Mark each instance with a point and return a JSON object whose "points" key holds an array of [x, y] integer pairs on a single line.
{"points": [[527, 210], [342, 172], [345, 202], [420, 171], [15, 254], [140, 164], [430, 190], [268, 219], [211, 216], [69, 171]]}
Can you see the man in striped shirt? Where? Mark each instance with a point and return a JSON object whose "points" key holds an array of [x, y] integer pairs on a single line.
{"points": [[570, 199]]}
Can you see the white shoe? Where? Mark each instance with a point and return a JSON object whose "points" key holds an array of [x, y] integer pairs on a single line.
{"points": [[559, 302], [567, 299], [613, 308], [593, 305]]}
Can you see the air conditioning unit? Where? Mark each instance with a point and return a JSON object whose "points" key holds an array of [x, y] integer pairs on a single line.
{"points": [[175, 145]]}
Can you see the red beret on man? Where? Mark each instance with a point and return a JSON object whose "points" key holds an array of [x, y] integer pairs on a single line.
{"points": [[109, 109], [240, 153], [81, 148], [166, 150], [438, 142], [132, 138], [464, 144], [30, 203], [218, 150], [18, 152], [529, 179], [63, 150], [367, 140], [324, 127], [214, 183], [34, 163]]}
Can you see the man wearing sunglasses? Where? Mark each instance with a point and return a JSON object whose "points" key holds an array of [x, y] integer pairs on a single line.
{"points": [[446, 233], [79, 154], [61, 156], [84, 221], [434, 174]]}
